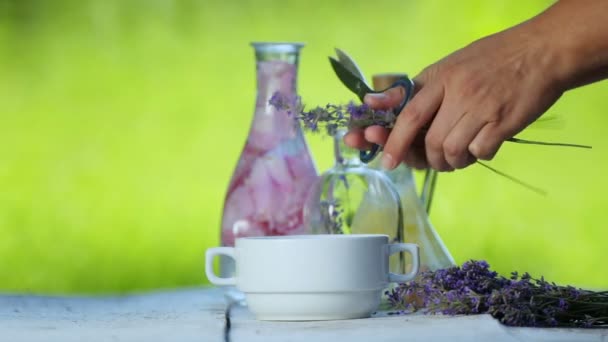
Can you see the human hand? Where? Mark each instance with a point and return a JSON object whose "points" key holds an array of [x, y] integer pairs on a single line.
{"points": [[467, 104]]}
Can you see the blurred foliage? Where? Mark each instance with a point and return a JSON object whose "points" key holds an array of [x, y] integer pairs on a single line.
{"points": [[121, 123]]}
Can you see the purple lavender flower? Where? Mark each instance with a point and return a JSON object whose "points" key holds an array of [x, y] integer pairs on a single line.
{"points": [[333, 117], [575, 293], [562, 304], [517, 301], [279, 101], [357, 111]]}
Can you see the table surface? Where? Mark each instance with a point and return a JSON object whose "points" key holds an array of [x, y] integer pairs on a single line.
{"points": [[200, 315]]}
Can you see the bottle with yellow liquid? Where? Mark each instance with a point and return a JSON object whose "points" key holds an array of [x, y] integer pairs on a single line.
{"points": [[417, 226]]}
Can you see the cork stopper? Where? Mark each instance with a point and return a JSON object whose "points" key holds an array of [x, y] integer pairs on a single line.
{"points": [[383, 81]]}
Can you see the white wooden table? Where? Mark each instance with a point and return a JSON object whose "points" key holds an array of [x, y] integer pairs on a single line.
{"points": [[199, 315]]}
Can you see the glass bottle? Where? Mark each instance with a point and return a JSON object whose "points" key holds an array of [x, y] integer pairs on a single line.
{"points": [[275, 170], [417, 225], [352, 198]]}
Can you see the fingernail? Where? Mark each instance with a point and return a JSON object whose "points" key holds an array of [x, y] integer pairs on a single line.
{"points": [[387, 162], [374, 96]]}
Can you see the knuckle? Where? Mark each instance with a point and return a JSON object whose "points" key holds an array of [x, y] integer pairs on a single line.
{"points": [[412, 114], [482, 150], [433, 143], [492, 116], [453, 150]]}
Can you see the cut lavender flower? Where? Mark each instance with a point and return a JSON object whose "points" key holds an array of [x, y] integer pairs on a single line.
{"points": [[517, 301], [332, 117]]}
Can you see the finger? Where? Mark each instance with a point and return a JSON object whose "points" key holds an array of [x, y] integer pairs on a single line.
{"points": [[376, 134], [356, 139], [416, 114], [447, 117], [389, 99], [487, 142], [456, 145]]}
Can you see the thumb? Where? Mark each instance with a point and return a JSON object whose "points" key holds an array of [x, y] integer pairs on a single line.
{"points": [[388, 99], [392, 97]]}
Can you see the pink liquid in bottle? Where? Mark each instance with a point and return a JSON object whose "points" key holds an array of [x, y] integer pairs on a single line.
{"points": [[275, 170]]}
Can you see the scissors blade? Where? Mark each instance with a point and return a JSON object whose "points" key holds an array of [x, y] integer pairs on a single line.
{"points": [[352, 82], [350, 65]]}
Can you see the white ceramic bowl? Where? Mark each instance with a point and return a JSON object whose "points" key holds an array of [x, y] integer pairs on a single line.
{"points": [[312, 277]]}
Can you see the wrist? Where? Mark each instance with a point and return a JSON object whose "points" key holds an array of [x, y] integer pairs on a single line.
{"points": [[573, 36], [543, 59]]}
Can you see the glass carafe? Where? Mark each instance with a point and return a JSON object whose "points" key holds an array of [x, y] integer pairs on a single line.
{"points": [[417, 225], [275, 170]]}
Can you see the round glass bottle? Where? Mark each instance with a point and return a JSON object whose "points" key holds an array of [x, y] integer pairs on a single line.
{"points": [[352, 198]]}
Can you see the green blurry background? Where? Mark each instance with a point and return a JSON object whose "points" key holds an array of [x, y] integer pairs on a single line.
{"points": [[121, 123]]}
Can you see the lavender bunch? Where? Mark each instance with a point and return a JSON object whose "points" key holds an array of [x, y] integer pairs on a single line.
{"points": [[332, 117], [515, 301]]}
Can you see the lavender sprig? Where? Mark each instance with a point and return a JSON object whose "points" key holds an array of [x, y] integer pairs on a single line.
{"points": [[331, 117], [331, 217], [520, 300]]}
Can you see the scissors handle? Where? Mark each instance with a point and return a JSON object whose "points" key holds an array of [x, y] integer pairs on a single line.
{"points": [[368, 156], [408, 86]]}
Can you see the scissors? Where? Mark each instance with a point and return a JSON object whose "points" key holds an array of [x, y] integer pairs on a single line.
{"points": [[351, 76]]}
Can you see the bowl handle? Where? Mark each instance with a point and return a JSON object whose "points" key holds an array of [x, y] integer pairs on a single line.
{"points": [[414, 251], [212, 253]]}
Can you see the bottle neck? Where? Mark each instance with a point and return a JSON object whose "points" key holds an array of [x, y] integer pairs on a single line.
{"points": [[286, 52], [345, 156], [276, 69]]}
